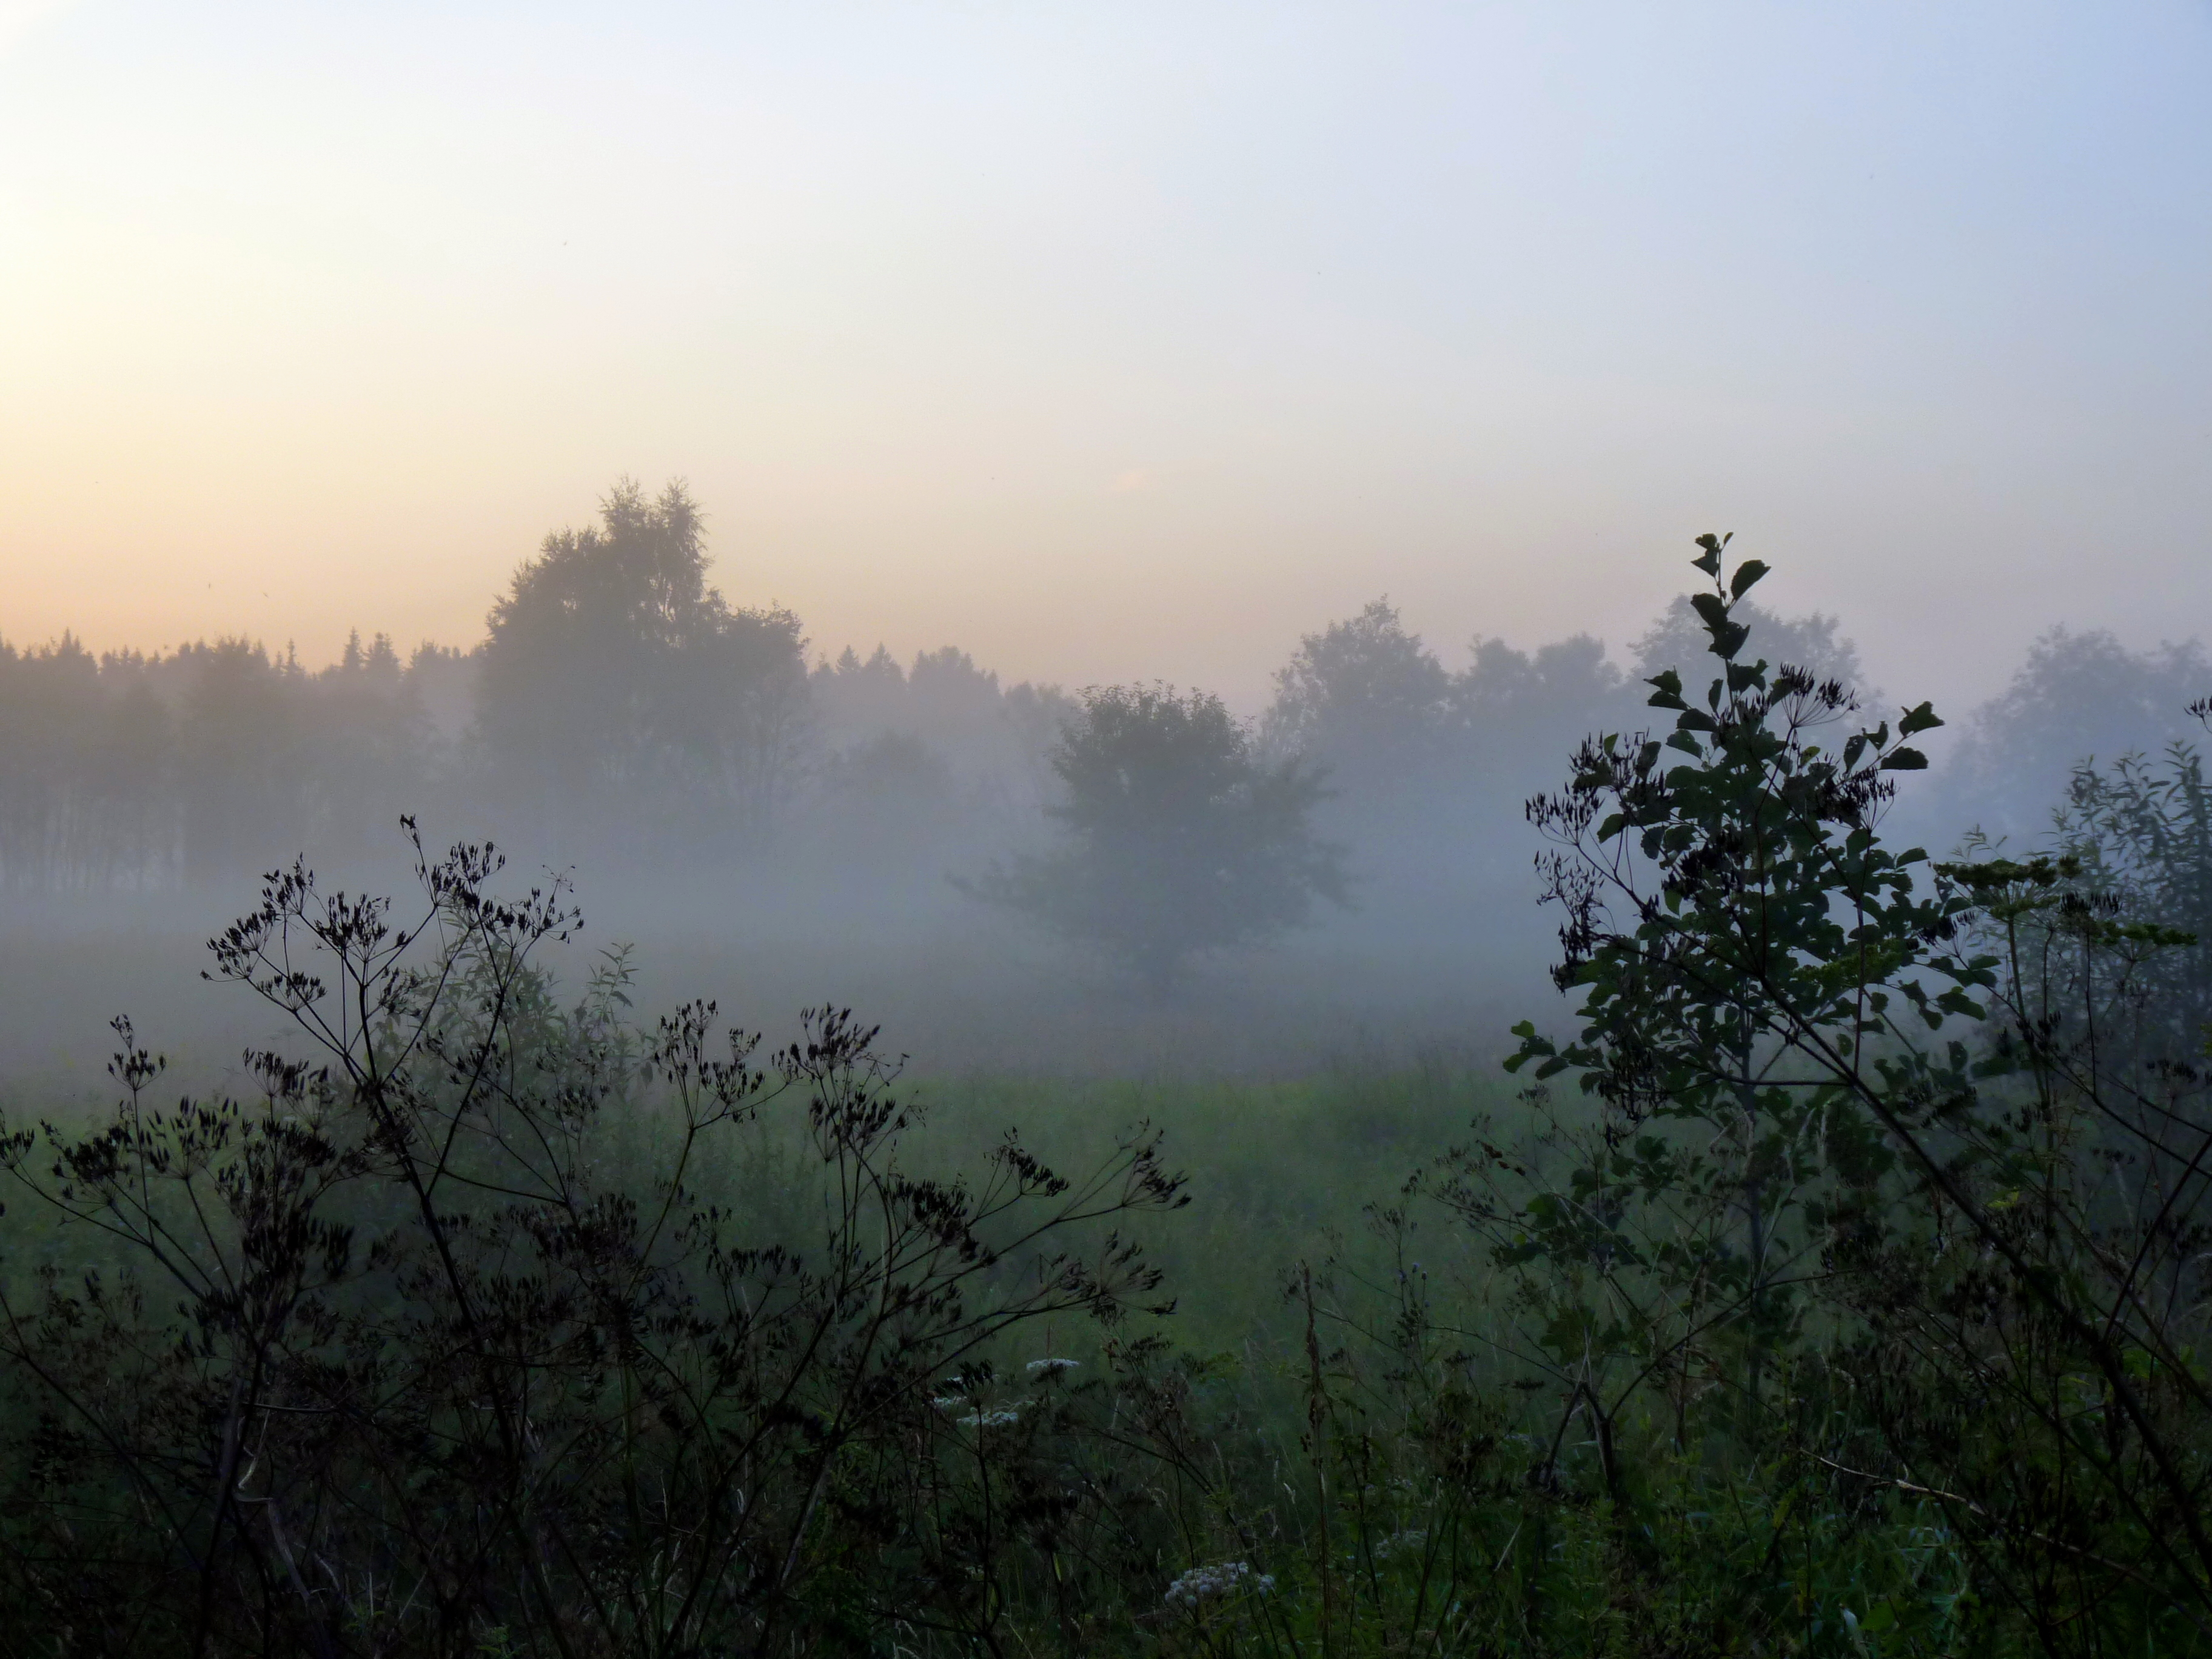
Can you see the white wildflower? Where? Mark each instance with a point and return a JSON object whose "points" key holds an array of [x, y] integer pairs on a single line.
{"points": [[1050, 1367], [1205, 1583]]}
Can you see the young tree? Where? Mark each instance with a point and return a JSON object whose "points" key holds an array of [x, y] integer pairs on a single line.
{"points": [[1902, 1089], [1178, 840]]}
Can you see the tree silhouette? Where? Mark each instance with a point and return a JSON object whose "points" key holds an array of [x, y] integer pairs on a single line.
{"points": [[620, 689], [1363, 698], [1177, 838]]}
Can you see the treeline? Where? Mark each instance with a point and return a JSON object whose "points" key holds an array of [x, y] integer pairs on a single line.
{"points": [[619, 705], [134, 771], [622, 713]]}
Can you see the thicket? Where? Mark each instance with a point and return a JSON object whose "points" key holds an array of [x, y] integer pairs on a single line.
{"points": [[1835, 1287]]}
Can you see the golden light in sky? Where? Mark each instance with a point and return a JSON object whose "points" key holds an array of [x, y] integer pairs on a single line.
{"points": [[1110, 342]]}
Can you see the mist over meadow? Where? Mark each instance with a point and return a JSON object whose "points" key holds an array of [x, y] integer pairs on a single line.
{"points": [[1189, 1158], [792, 820]]}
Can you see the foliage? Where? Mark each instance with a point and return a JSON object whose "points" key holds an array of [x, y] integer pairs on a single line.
{"points": [[1851, 1302], [1178, 839], [1366, 699], [2142, 831], [615, 678], [2003, 1233], [436, 1346]]}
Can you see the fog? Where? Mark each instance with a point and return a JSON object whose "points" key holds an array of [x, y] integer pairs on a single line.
{"points": [[1369, 373], [754, 817]]}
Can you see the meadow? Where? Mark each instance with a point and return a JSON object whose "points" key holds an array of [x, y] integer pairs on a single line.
{"points": [[1338, 1439]]}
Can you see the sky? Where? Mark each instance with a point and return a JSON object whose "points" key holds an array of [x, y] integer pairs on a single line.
{"points": [[1114, 342]]}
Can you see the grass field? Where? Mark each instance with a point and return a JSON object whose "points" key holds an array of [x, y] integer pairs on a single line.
{"points": [[1288, 1466]]}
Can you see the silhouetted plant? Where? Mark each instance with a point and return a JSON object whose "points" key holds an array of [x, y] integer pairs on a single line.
{"points": [[440, 1343], [2004, 1232]]}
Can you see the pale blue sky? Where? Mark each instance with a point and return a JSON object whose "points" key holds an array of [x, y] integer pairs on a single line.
{"points": [[1114, 340]]}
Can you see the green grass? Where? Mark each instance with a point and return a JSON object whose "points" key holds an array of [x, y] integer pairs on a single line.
{"points": [[1278, 1172], [1377, 1540]]}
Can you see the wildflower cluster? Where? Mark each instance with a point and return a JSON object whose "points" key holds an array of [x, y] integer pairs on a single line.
{"points": [[1209, 1583]]}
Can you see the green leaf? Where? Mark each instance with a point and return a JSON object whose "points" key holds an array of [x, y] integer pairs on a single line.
{"points": [[1745, 574], [1904, 760], [1712, 607], [1710, 560]]}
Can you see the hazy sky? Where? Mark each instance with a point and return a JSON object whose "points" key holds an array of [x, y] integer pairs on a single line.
{"points": [[1114, 340]]}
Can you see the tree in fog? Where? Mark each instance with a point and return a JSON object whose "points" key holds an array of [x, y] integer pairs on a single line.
{"points": [[618, 685], [1519, 709], [1177, 838], [87, 773], [1366, 699], [2078, 698], [243, 742]]}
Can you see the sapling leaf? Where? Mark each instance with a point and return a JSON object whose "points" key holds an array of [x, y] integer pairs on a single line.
{"points": [[1745, 574], [1921, 719]]}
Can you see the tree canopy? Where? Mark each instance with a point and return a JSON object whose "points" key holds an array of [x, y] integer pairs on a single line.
{"points": [[1177, 838], [616, 676]]}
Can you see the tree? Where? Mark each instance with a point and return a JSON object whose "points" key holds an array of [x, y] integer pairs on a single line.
{"points": [[1363, 698], [1177, 838], [244, 743], [2077, 697], [1518, 710], [86, 783], [619, 687]]}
